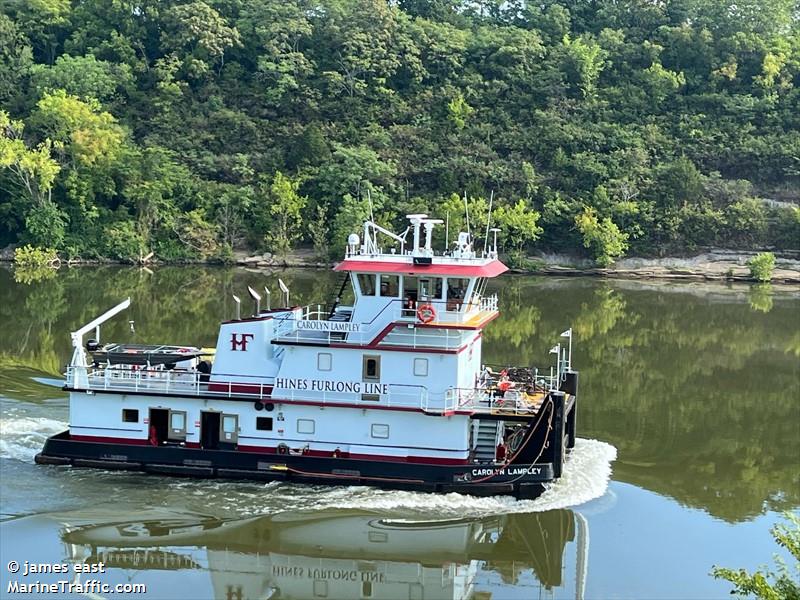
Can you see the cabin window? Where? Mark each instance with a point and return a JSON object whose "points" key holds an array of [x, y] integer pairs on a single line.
{"points": [[230, 428], [130, 415], [177, 425], [366, 281], [305, 426], [380, 430], [366, 589], [371, 368], [390, 286], [421, 367], [264, 423], [324, 361]]}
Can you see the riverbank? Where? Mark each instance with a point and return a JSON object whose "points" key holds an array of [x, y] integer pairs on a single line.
{"points": [[717, 265], [713, 265]]}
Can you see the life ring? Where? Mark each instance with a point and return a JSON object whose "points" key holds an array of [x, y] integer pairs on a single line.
{"points": [[426, 313]]}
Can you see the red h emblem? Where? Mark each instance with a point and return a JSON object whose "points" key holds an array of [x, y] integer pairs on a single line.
{"points": [[239, 341]]}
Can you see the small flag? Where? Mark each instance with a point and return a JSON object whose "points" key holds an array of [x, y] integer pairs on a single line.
{"points": [[554, 350], [236, 298], [567, 333], [283, 287], [253, 293]]}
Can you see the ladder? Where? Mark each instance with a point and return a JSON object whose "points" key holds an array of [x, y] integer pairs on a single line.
{"points": [[486, 440]]}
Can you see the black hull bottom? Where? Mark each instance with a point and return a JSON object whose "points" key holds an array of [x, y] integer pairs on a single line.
{"points": [[520, 481]]}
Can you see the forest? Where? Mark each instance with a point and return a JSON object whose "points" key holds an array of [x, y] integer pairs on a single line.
{"points": [[598, 128]]}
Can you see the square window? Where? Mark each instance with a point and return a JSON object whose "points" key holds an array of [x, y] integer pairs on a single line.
{"points": [[366, 282], [130, 415], [305, 426], [371, 370], [390, 286], [366, 589], [324, 361], [264, 423], [421, 367], [380, 430]]}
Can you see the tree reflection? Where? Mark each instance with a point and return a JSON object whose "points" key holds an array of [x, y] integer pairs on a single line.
{"points": [[697, 391]]}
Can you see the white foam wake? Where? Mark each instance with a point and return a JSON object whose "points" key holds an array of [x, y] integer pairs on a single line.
{"points": [[585, 477], [22, 437]]}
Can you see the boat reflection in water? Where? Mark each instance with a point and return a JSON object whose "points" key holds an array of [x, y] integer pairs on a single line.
{"points": [[338, 554]]}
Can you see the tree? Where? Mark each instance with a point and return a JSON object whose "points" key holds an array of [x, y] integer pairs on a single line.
{"points": [[34, 170], [603, 237], [286, 207], [761, 266], [82, 76], [770, 585], [519, 224]]}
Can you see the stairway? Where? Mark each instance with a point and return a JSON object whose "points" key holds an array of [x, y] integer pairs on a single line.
{"points": [[342, 287], [486, 440]]}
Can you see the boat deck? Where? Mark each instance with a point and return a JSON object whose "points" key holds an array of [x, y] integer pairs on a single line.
{"points": [[487, 399]]}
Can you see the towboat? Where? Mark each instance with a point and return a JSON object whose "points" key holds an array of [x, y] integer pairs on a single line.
{"points": [[386, 390]]}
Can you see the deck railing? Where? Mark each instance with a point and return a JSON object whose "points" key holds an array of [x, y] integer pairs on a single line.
{"points": [[180, 382], [447, 313]]}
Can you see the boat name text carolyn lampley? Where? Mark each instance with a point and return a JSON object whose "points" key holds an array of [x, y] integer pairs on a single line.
{"points": [[511, 471]]}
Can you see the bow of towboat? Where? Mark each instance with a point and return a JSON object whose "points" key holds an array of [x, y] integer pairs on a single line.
{"points": [[386, 389]]}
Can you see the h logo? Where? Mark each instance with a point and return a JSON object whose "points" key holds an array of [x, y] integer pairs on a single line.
{"points": [[239, 341]]}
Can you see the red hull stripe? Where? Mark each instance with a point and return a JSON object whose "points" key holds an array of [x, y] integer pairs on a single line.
{"points": [[429, 460], [101, 439], [491, 269]]}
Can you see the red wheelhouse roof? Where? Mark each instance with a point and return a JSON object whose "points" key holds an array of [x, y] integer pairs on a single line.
{"points": [[490, 269]]}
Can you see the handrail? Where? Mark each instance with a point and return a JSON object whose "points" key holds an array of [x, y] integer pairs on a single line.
{"points": [[189, 382]]}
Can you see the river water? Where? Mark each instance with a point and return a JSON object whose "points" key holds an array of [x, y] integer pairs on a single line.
{"points": [[688, 453]]}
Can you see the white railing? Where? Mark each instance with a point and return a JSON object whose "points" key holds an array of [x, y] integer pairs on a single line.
{"points": [[179, 382], [287, 330], [518, 400]]}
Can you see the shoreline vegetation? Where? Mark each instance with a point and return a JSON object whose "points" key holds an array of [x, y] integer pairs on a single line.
{"points": [[598, 129], [712, 265]]}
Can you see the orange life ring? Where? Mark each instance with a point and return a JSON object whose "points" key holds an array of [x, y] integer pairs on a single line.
{"points": [[426, 313]]}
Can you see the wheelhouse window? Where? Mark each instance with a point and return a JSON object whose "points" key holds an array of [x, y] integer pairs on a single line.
{"points": [[421, 289], [390, 286], [264, 423], [366, 283], [130, 415], [371, 368], [456, 292]]}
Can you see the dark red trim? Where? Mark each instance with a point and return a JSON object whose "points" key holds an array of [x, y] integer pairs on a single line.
{"points": [[417, 350], [240, 388], [430, 460], [490, 269], [101, 439]]}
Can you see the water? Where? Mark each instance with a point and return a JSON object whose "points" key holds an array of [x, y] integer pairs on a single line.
{"points": [[688, 454]]}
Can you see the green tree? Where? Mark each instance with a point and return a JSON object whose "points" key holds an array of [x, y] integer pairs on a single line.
{"points": [[286, 207], [519, 223], [602, 236], [761, 266], [766, 584]]}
